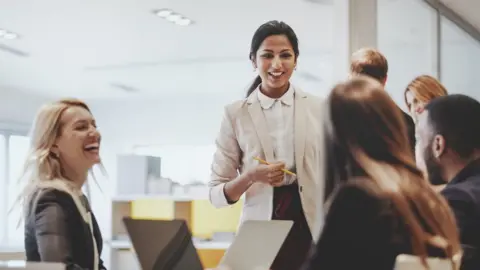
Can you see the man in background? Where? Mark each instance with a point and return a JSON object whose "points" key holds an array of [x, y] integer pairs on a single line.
{"points": [[372, 63]]}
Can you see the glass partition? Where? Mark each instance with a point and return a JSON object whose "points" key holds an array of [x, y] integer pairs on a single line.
{"points": [[460, 60]]}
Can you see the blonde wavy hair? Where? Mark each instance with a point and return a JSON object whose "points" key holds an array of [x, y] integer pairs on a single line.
{"points": [[42, 170]]}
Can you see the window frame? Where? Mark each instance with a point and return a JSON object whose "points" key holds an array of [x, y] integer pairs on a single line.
{"points": [[5, 180]]}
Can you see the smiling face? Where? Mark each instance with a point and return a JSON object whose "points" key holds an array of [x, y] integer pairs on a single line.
{"points": [[275, 60], [414, 105], [78, 144]]}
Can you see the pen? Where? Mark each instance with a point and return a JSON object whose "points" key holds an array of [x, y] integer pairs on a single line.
{"points": [[266, 163]]}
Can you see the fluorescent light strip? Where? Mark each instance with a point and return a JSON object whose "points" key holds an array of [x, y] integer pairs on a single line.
{"points": [[5, 34], [173, 17]]}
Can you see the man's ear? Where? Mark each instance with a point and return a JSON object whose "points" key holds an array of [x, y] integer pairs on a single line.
{"points": [[384, 81], [438, 146]]}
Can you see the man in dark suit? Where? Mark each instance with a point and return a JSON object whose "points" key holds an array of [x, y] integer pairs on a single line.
{"points": [[449, 138], [372, 63]]}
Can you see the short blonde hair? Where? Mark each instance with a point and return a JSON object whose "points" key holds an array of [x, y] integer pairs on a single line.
{"points": [[424, 88], [370, 62]]}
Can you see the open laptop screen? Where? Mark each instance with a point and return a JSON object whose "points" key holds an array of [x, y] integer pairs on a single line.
{"points": [[163, 245]]}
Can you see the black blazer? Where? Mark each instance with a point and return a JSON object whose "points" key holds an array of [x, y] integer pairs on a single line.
{"points": [[56, 232], [463, 196], [362, 230], [410, 130]]}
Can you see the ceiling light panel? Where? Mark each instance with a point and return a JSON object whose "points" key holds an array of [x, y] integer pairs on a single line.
{"points": [[5, 34], [173, 17]]}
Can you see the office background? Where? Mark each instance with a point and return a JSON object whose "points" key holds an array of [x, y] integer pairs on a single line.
{"points": [[157, 87]]}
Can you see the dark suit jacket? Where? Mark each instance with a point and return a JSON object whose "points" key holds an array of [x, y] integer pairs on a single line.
{"points": [[56, 232], [362, 231], [463, 195], [410, 130]]}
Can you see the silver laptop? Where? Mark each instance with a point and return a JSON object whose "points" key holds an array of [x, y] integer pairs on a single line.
{"points": [[256, 244], [22, 265], [163, 244]]}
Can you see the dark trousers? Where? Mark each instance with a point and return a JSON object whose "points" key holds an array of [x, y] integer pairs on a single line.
{"points": [[287, 205]]}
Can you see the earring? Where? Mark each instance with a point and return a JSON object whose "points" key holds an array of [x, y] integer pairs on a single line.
{"points": [[55, 155]]}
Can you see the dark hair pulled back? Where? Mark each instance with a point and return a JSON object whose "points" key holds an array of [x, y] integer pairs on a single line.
{"points": [[267, 29]]}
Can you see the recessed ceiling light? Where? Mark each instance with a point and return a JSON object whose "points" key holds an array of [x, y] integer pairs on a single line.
{"points": [[163, 13], [184, 22], [173, 17], [5, 34]]}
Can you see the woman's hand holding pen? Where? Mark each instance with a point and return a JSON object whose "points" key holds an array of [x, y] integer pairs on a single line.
{"points": [[271, 174]]}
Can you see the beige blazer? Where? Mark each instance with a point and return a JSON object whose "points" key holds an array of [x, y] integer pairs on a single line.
{"points": [[243, 135]]}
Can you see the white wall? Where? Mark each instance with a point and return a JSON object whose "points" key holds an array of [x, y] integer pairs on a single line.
{"points": [[176, 119], [170, 120], [460, 60], [407, 36], [406, 61], [192, 120], [17, 108]]}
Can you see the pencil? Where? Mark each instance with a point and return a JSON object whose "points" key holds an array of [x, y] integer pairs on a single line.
{"points": [[266, 163]]}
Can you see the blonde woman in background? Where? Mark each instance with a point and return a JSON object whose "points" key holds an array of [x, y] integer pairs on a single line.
{"points": [[419, 93], [59, 224]]}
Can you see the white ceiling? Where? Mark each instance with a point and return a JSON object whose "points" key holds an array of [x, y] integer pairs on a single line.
{"points": [[467, 9], [81, 47]]}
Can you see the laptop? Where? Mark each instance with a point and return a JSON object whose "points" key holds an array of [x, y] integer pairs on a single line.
{"points": [[162, 245], [256, 244], [167, 245], [22, 265]]}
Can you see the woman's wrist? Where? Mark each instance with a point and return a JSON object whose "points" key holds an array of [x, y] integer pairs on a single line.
{"points": [[250, 177], [234, 189]]}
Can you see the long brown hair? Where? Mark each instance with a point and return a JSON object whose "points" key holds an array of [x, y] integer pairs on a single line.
{"points": [[424, 88], [370, 129]]}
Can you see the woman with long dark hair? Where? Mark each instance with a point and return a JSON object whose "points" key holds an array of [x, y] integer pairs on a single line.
{"points": [[380, 205], [278, 123]]}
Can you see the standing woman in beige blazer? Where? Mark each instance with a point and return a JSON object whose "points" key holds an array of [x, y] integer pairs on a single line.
{"points": [[281, 124]]}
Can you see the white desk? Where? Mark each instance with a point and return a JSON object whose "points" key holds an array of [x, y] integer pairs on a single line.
{"points": [[126, 244], [21, 264], [8, 253]]}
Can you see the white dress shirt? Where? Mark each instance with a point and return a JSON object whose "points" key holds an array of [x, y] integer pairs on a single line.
{"points": [[279, 115]]}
